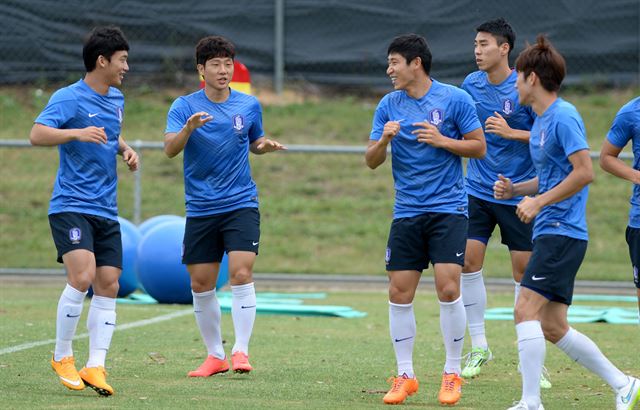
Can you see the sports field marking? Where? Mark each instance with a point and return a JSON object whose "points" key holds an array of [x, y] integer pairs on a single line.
{"points": [[125, 326]]}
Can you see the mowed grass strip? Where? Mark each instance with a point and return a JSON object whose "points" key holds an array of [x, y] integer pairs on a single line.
{"points": [[300, 362]]}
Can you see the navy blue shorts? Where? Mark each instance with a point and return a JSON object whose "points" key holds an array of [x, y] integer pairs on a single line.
{"points": [[428, 238], [633, 240], [485, 215], [553, 266], [73, 230], [207, 238]]}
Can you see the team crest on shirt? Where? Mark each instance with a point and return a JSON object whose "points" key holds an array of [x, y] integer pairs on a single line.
{"points": [[119, 112], [508, 106], [238, 122], [75, 234], [436, 117]]}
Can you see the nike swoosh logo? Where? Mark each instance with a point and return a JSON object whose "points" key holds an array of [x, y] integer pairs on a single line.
{"points": [[403, 339], [68, 315], [628, 397], [93, 115], [534, 277], [457, 340], [255, 243], [109, 324], [459, 254], [247, 307], [71, 382], [470, 304]]}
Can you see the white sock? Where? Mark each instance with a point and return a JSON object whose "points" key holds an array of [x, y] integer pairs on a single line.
{"points": [[585, 352], [208, 315], [67, 318], [452, 325], [101, 324], [243, 312], [402, 326], [516, 292], [474, 295], [531, 350]]}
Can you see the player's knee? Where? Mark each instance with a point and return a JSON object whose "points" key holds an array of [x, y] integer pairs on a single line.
{"points": [[448, 292], [553, 332], [241, 276], [82, 281], [400, 295]]}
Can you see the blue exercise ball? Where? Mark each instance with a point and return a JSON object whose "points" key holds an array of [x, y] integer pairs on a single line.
{"points": [[157, 220], [160, 268], [130, 239]]}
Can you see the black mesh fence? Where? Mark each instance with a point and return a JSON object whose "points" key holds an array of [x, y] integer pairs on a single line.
{"points": [[332, 42]]}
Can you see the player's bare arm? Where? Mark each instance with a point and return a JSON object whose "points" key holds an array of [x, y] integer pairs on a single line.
{"points": [[472, 144], [43, 135], [610, 162], [498, 125], [129, 155], [264, 145], [174, 142], [580, 176], [377, 150]]}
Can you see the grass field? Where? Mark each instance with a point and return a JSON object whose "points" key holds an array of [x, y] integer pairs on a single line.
{"points": [[321, 213], [300, 362]]}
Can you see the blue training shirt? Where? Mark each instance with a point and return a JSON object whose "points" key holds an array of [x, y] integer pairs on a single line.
{"points": [[87, 178], [625, 127], [217, 175], [555, 135], [427, 179], [507, 157]]}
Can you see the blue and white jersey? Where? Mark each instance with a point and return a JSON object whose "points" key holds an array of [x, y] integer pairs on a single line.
{"points": [[555, 135], [625, 127], [507, 157], [427, 179], [87, 178], [217, 175]]}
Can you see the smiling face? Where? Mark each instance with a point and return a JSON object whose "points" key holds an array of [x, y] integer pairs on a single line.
{"points": [[217, 72], [401, 73], [488, 53], [117, 67]]}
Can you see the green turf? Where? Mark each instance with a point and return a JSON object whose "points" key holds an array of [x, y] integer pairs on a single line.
{"points": [[300, 362], [320, 213]]}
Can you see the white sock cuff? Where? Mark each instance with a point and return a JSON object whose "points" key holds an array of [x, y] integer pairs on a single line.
{"points": [[243, 290], [401, 305], [103, 302], [567, 339], [450, 305], [73, 294], [203, 295], [472, 276], [531, 329]]}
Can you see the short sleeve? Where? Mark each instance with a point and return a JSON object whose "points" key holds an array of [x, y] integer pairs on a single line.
{"points": [[178, 115], [571, 135], [61, 108], [256, 130], [466, 114], [380, 118], [620, 132]]}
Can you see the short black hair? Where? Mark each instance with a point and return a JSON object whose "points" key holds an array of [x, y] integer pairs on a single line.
{"points": [[102, 41], [501, 30], [543, 59], [411, 46], [213, 47]]}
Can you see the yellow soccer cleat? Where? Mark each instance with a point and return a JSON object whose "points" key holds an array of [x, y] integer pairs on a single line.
{"points": [[67, 373], [96, 378]]}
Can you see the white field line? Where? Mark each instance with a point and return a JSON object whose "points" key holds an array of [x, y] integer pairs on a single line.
{"points": [[125, 326]]}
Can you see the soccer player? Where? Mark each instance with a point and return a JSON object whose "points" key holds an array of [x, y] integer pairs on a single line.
{"points": [[626, 127], [84, 120], [217, 127], [429, 126], [560, 153], [506, 126]]}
